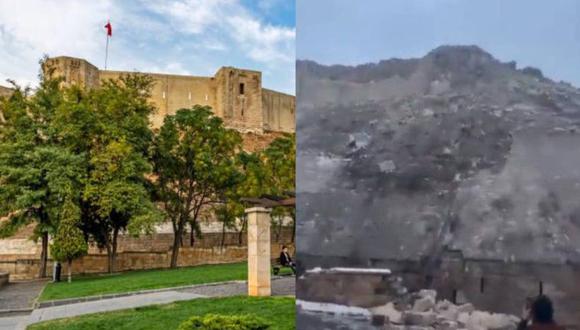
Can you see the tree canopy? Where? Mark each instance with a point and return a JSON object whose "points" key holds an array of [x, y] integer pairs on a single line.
{"points": [[194, 157], [84, 165], [37, 171]]}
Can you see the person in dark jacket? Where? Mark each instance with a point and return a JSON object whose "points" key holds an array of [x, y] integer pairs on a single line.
{"points": [[539, 315], [286, 260]]}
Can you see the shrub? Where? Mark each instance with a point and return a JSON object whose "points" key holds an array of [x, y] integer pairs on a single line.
{"points": [[224, 322]]}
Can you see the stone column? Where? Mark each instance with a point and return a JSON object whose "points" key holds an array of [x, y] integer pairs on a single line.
{"points": [[258, 251]]}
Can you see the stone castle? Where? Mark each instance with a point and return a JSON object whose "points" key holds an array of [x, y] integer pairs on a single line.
{"points": [[235, 95], [5, 91]]}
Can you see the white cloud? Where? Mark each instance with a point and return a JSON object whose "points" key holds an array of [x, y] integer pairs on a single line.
{"points": [[229, 19], [32, 28], [214, 45], [264, 43], [193, 16], [267, 5], [172, 67], [179, 36]]}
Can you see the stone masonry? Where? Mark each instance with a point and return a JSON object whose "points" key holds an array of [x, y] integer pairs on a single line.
{"points": [[236, 95], [426, 313], [145, 252], [259, 283], [5, 91]]}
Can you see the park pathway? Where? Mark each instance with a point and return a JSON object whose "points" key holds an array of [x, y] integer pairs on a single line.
{"points": [[19, 296], [280, 287]]}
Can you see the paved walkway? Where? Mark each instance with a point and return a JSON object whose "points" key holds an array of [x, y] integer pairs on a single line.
{"points": [[280, 286], [20, 295]]}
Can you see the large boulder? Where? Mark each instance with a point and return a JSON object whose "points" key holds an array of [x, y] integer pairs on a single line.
{"points": [[419, 318], [465, 308], [424, 304], [490, 321], [446, 325], [447, 310]]}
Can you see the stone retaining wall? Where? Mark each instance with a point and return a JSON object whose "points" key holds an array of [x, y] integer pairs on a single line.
{"points": [[360, 290], [146, 253]]}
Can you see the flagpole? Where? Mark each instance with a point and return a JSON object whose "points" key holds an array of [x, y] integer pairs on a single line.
{"points": [[107, 52]]}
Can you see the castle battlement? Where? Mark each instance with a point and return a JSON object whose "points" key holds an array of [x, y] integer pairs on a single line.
{"points": [[236, 95]]}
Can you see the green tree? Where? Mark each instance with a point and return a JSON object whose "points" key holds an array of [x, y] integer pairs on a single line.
{"points": [[117, 197], [280, 165], [69, 242], [109, 126], [35, 168], [279, 160], [252, 184], [226, 214], [194, 157], [267, 172]]}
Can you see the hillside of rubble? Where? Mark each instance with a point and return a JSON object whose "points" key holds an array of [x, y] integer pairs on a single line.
{"points": [[455, 150]]}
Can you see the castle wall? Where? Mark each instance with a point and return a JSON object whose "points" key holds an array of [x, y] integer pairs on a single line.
{"points": [[253, 142], [239, 98], [74, 70], [173, 92], [278, 111], [5, 91], [235, 95]]}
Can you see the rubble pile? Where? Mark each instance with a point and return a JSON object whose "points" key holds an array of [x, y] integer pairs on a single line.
{"points": [[439, 144], [426, 313]]}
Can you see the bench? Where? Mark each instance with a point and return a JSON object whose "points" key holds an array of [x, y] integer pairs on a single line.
{"points": [[277, 266]]}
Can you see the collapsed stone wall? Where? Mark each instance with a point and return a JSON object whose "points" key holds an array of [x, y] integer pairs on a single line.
{"points": [[491, 285], [424, 312], [146, 252]]}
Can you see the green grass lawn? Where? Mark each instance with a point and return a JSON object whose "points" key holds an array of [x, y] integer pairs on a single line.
{"points": [[83, 286], [280, 311]]}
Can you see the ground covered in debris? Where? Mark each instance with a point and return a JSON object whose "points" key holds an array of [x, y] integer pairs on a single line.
{"points": [[420, 311], [399, 158], [425, 312]]}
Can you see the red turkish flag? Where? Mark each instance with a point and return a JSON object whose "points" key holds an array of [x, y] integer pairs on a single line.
{"points": [[109, 29]]}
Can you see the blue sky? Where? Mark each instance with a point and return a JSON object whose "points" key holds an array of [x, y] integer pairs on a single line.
{"points": [[177, 36], [544, 34]]}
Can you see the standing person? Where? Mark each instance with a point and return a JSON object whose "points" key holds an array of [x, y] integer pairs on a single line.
{"points": [[286, 260], [539, 315]]}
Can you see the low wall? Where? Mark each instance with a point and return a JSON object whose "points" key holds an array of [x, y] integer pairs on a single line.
{"points": [[491, 285], [150, 252], [349, 289]]}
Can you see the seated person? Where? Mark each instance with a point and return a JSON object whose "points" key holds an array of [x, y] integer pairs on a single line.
{"points": [[539, 315], [286, 260]]}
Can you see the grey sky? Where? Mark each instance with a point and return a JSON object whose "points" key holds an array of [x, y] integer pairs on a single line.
{"points": [[544, 34]]}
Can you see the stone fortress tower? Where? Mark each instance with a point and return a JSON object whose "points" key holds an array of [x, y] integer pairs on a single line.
{"points": [[235, 95], [5, 91]]}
